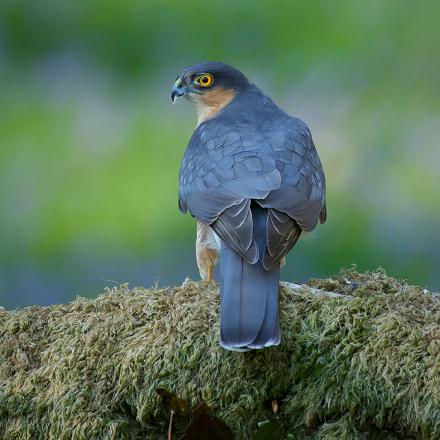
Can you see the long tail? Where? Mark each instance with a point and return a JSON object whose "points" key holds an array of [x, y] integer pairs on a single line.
{"points": [[249, 296]]}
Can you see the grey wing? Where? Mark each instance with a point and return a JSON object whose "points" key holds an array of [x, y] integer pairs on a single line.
{"points": [[299, 203], [223, 169], [228, 164]]}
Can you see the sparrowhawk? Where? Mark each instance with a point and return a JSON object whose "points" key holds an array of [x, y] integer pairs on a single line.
{"points": [[252, 178]]}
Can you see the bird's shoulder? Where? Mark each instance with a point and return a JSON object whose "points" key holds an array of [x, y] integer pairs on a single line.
{"points": [[253, 135], [252, 118]]}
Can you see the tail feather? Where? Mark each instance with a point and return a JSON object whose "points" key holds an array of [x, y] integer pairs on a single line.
{"points": [[249, 296], [269, 333]]}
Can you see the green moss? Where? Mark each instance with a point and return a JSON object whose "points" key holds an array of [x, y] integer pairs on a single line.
{"points": [[365, 368]]}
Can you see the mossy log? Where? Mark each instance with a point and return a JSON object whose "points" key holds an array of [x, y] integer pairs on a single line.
{"points": [[360, 364]]}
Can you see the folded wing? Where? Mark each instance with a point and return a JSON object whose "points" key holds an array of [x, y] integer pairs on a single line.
{"points": [[229, 166]]}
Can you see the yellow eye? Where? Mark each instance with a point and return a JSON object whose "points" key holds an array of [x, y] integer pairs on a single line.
{"points": [[204, 80]]}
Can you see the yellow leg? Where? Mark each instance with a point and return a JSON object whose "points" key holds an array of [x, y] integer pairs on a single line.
{"points": [[210, 272]]}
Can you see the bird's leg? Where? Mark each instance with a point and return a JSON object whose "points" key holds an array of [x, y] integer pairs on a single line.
{"points": [[206, 251], [210, 271], [206, 258]]}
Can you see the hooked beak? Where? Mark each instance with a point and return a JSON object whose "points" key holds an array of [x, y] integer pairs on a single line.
{"points": [[177, 91]]}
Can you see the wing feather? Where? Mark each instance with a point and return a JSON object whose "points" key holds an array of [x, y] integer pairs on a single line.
{"points": [[231, 161], [282, 234]]}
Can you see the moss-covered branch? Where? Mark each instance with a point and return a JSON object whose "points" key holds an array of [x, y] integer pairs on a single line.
{"points": [[365, 368]]}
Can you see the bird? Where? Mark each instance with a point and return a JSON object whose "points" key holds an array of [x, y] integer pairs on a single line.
{"points": [[252, 178]]}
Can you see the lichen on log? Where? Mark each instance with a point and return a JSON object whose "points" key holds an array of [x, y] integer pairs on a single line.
{"points": [[362, 362]]}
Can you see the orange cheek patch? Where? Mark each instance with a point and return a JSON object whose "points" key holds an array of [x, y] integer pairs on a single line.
{"points": [[211, 102], [217, 98]]}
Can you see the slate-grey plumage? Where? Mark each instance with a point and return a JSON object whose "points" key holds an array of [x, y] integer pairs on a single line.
{"points": [[253, 179]]}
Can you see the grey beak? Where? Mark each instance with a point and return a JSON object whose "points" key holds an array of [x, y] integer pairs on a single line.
{"points": [[178, 91]]}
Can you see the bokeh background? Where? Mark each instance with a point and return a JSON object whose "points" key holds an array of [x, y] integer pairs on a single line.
{"points": [[90, 144]]}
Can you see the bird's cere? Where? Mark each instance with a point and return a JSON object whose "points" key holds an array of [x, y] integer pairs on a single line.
{"points": [[178, 90]]}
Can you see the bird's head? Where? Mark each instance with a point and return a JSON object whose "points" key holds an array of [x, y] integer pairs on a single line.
{"points": [[210, 86]]}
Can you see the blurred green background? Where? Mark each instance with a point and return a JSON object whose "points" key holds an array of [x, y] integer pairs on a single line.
{"points": [[90, 145]]}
